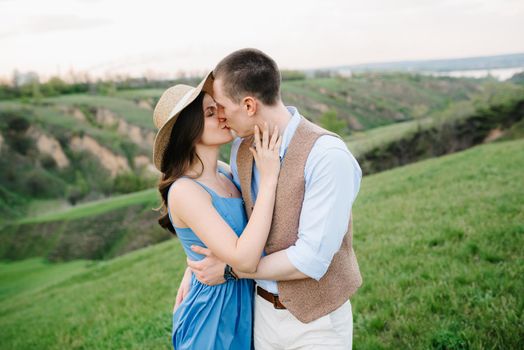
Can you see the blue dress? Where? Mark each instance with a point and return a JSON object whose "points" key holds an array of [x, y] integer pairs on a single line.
{"points": [[215, 317]]}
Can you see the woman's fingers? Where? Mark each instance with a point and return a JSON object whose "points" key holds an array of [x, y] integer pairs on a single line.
{"points": [[178, 300], [265, 136], [257, 138], [274, 138], [254, 153], [279, 143]]}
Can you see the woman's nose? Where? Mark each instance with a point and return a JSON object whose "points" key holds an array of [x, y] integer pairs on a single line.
{"points": [[220, 114]]}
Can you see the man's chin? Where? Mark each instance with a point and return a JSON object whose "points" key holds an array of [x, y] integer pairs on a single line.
{"points": [[242, 135]]}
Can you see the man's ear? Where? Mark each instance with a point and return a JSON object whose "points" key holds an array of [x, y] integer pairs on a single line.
{"points": [[250, 105]]}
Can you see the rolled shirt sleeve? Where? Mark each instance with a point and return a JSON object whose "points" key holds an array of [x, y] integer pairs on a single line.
{"points": [[332, 182]]}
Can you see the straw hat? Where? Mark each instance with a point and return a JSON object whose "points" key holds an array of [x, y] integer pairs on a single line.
{"points": [[167, 110]]}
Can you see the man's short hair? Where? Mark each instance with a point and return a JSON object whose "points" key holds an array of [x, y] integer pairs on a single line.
{"points": [[249, 72]]}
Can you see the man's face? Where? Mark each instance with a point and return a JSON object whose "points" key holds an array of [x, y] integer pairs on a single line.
{"points": [[232, 113]]}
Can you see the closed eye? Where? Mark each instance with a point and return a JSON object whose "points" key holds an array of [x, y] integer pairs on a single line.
{"points": [[210, 111]]}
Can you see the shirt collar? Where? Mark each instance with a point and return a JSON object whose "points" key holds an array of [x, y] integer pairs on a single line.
{"points": [[290, 129]]}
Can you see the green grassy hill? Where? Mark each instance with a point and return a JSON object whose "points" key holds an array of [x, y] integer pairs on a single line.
{"points": [[439, 244], [100, 229], [73, 147], [492, 96], [396, 145]]}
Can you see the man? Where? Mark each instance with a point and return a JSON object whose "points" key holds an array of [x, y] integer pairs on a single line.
{"points": [[309, 270]]}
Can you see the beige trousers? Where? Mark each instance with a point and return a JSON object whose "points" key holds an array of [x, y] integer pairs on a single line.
{"points": [[278, 329]]}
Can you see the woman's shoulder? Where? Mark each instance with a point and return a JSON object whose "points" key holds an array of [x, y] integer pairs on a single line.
{"points": [[184, 189]]}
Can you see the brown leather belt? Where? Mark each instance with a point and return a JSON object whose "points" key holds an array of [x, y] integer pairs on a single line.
{"points": [[272, 298]]}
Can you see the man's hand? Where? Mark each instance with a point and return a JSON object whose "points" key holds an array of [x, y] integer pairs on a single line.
{"points": [[210, 270], [183, 289]]}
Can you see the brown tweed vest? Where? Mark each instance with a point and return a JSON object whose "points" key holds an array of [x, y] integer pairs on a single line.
{"points": [[306, 299]]}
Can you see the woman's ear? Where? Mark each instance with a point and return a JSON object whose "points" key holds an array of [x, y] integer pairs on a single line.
{"points": [[250, 105]]}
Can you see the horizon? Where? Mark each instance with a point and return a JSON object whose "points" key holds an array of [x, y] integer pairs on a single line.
{"points": [[161, 40]]}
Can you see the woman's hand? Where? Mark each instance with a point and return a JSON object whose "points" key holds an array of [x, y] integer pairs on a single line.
{"points": [[266, 154], [183, 289]]}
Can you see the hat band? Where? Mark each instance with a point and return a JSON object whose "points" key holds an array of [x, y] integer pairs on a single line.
{"points": [[181, 103]]}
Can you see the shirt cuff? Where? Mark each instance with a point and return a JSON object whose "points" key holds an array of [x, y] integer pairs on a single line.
{"points": [[307, 262]]}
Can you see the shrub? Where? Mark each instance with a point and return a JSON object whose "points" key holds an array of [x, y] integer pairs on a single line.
{"points": [[130, 182], [39, 183], [330, 122]]}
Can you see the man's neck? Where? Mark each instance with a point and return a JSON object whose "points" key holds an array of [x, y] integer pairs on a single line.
{"points": [[275, 115]]}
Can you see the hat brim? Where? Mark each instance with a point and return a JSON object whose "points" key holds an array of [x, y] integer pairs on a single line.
{"points": [[164, 133]]}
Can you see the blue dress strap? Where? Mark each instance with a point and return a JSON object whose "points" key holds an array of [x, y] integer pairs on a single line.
{"points": [[208, 190]]}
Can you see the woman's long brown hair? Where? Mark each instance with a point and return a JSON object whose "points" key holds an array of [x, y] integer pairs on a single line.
{"points": [[180, 153]]}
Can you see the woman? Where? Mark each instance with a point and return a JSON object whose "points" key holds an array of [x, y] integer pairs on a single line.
{"points": [[203, 207]]}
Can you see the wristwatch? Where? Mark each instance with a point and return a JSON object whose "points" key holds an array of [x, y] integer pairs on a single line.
{"points": [[229, 275]]}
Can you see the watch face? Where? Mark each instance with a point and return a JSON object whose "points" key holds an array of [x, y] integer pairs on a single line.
{"points": [[228, 274]]}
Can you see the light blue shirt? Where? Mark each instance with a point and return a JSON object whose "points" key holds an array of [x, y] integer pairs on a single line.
{"points": [[332, 177]]}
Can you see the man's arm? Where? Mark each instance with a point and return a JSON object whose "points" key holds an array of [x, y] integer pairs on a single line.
{"points": [[332, 183], [275, 267]]}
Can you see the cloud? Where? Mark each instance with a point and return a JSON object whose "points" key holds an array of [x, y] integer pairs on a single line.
{"points": [[54, 23], [63, 22]]}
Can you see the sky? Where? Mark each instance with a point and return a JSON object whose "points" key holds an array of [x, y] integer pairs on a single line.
{"points": [[163, 38]]}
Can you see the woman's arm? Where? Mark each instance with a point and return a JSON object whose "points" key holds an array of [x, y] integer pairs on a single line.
{"points": [[273, 267], [183, 289], [193, 206]]}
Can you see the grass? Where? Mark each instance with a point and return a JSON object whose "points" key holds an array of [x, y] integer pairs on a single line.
{"points": [[145, 197], [492, 96], [125, 303], [439, 245], [140, 93], [126, 109], [362, 142], [33, 275]]}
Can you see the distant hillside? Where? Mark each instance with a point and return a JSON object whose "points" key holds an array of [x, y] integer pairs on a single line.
{"points": [[366, 101], [461, 126], [97, 230], [74, 147], [82, 147], [497, 116], [468, 63], [439, 245]]}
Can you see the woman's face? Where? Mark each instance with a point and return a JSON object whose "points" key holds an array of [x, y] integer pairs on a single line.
{"points": [[215, 132]]}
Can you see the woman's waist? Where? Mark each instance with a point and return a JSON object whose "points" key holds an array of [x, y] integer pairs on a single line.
{"points": [[195, 283]]}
